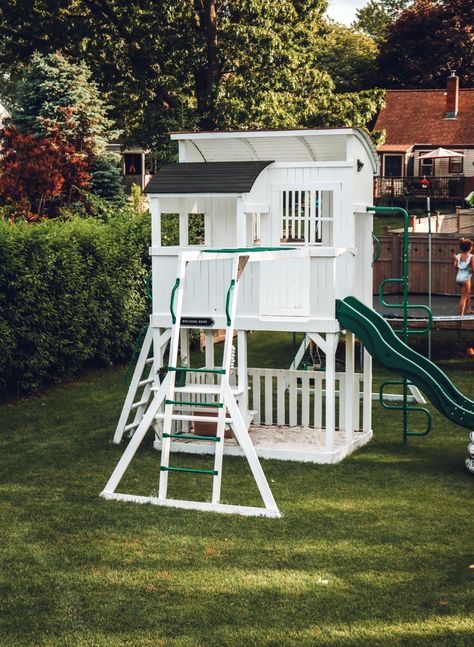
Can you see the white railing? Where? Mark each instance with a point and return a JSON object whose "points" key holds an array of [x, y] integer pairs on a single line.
{"points": [[282, 397]]}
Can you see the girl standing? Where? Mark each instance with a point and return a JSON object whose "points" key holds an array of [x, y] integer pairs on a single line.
{"points": [[464, 263]]}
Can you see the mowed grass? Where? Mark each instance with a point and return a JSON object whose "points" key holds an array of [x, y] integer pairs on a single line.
{"points": [[373, 551]]}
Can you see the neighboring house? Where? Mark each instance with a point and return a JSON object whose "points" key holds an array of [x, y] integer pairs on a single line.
{"points": [[133, 165], [3, 114], [419, 121]]}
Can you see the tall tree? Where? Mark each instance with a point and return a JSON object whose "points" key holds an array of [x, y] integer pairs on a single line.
{"points": [[348, 56], [376, 16], [427, 41], [55, 92], [179, 64]]}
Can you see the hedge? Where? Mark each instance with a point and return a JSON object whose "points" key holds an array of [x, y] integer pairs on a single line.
{"points": [[70, 292]]}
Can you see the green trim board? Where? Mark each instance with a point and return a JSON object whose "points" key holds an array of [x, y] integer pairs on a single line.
{"points": [[384, 345]]}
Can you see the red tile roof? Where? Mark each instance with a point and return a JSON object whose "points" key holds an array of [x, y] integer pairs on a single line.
{"points": [[417, 117]]}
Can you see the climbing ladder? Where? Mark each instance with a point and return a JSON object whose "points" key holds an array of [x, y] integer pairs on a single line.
{"points": [[168, 405]]}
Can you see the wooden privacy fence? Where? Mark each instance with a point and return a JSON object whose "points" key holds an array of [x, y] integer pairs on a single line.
{"points": [[389, 264]]}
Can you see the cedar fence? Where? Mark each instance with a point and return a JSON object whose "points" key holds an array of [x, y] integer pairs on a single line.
{"points": [[389, 264]]}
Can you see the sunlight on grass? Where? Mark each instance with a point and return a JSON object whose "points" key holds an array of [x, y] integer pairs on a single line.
{"points": [[372, 552]]}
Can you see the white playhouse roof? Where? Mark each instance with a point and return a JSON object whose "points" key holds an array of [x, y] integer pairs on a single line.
{"points": [[305, 145]]}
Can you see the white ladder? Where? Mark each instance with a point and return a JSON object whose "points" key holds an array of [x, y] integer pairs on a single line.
{"points": [[140, 390], [224, 402]]}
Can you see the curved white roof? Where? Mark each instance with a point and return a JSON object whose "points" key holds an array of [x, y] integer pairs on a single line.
{"points": [[306, 145]]}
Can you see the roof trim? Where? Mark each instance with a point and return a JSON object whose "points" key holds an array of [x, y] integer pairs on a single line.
{"points": [[211, 178]]}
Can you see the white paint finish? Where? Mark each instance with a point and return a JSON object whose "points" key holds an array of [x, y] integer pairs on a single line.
{"points": [[281, 145], [201, 506], [331, 345], [296, 444]]}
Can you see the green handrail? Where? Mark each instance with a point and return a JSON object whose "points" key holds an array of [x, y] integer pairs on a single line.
{"points": [[227, 301], [173, 291]]}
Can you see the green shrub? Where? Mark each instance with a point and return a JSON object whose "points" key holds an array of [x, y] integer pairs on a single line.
{"points": [[70, 292]]}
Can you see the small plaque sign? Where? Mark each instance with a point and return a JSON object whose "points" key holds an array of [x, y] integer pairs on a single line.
{"points": [[198, 322]]}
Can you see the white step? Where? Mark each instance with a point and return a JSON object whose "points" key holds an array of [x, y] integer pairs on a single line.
{"points": [[212, 389]]}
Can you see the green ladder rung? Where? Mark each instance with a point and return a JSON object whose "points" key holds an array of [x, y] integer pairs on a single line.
{"points": [[193, 470], [216, 405], [220, 371], [215, 439]]}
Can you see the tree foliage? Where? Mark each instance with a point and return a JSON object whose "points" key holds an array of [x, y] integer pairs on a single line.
{"points": [[39, 174], [348, 56], [375, 17], [427, 41], [55, 91], [189, 63]]}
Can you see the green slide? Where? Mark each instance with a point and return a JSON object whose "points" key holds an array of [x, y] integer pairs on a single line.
{"points": [[384, 345]]}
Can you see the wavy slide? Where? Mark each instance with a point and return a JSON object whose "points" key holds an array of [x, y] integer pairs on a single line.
{"points": [[388, 349]]}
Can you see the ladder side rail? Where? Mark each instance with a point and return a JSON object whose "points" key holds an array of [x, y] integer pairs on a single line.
{"points": [[137, 438], [173, 357], [237, 264], [132, 389], [243, 438]]}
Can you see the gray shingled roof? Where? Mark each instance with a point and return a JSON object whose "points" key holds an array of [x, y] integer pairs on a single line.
{"points": [[206, 177]]}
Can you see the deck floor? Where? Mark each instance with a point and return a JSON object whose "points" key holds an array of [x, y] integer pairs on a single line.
{"points": [[301, 444]]}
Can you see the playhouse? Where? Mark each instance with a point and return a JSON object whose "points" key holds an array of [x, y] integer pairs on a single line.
{"points": [[273, 230]]}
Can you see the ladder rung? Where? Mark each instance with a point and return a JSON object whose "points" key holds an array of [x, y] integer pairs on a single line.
{"points": [[191, 418], [214, 439], [135, 405], [147, 381], [132, 425], [219, 371], [193, 470], [149, 360], [215, 405]]}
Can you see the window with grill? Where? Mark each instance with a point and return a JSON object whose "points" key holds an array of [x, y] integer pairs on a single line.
{"points": [[306, 217]]}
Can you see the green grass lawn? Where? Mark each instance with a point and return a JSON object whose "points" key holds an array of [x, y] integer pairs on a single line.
{"points": [[373, 551]]}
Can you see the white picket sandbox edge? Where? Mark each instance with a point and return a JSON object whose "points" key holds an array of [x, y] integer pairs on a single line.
{"points": [[308, 454], [203, 506]]}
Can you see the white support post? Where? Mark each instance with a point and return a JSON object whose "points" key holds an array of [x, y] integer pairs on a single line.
{"points": [[209, 348], [349, 387], [155, 211], [241, 230], [183, 224], [242, 372], [331, 345], [367, 391]]}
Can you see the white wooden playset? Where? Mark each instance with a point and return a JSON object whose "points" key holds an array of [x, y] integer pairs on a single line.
{"points": [[285, 234]]}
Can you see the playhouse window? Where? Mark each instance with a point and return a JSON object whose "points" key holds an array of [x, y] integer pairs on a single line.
{"points": [[306, 217], [196, 229], [169, 229], [255, 228]]}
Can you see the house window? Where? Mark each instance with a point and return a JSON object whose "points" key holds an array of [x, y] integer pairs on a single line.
{"points": [[393, 165], [306, 217], [426, 165], [132, 163], [196, 229], [456, 164], [170, 229]]}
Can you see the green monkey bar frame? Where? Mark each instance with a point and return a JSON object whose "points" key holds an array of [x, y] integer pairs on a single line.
{"points": [[403, 281]]}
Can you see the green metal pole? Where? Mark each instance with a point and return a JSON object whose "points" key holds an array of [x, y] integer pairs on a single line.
{"points": [[406, 222]]}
